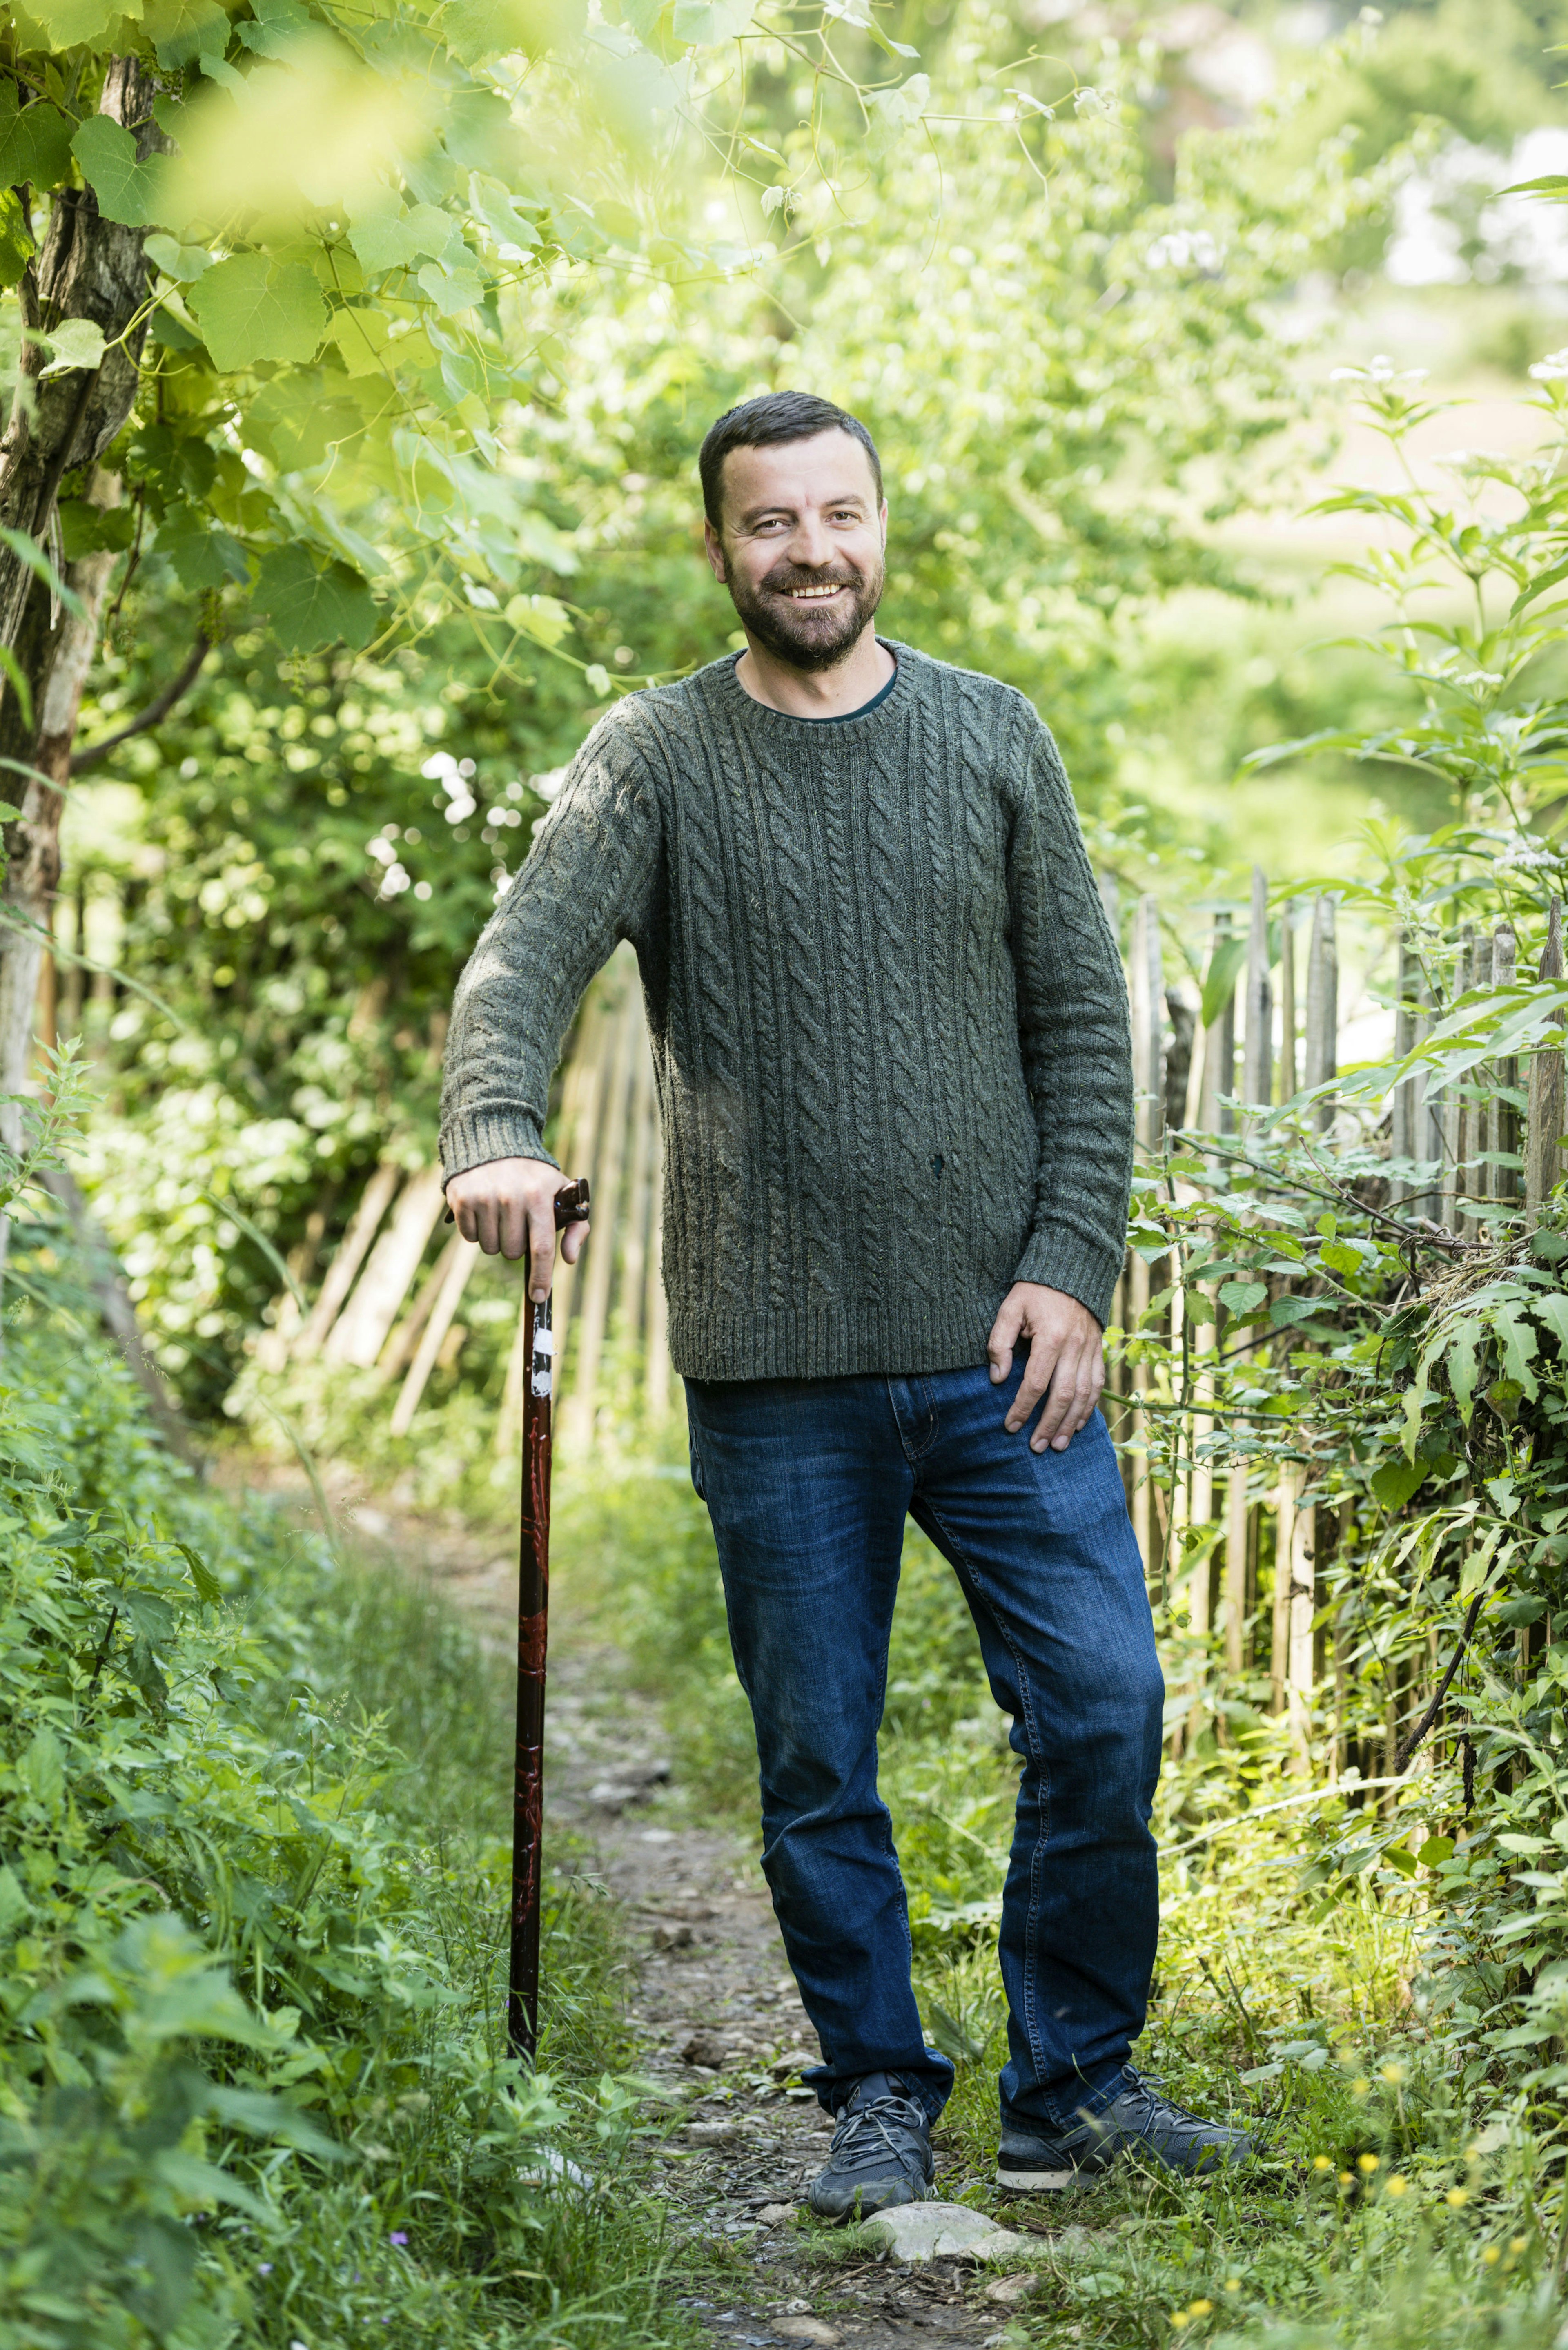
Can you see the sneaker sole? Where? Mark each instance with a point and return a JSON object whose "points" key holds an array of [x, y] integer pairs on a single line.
{"points": [[1046, 2182]]}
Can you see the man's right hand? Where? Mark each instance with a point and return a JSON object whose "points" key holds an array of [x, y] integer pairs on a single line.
{"points": [[509, 1205]]}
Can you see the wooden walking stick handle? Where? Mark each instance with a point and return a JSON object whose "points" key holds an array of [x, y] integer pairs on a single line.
{"points": [[533, 1638]]}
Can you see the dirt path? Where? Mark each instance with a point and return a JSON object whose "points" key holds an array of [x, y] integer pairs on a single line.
{"points": [[719, 2013]]}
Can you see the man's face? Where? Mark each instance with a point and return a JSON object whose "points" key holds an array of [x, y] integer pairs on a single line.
{"points": [[801, 544]]}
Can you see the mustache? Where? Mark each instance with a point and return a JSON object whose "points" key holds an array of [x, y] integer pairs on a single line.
{"points": [[779, 582]]}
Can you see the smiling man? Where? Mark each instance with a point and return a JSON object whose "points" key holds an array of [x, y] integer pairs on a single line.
{"points": [[890, 1036]]}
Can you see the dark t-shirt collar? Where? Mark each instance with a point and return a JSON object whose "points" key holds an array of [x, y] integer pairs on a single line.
{"points": [[835, 717]]}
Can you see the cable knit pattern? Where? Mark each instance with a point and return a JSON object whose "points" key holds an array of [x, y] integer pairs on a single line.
{"points": [[888, 1019]]}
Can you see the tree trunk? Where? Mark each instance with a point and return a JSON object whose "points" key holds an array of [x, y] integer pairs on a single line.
{"points": [[90, 268], [87, 267]]}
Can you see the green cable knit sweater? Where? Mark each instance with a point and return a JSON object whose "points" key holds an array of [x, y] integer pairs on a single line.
{"points": [[889, 1020]]}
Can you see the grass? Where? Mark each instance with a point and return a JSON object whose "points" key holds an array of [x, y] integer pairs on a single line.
{"points": [[1397, 2203], [438, 2240]]}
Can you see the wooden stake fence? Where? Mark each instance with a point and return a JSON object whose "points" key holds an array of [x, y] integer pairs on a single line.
{"points": [[1272, 1022]]}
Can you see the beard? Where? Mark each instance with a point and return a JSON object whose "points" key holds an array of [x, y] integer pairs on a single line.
{"points": [[808, 634]]}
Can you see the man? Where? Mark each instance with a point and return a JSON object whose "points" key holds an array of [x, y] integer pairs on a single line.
{"points": [[890, 1034]]}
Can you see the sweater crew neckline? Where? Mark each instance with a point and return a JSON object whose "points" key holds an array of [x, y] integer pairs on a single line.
{"points": [[765, 712]]}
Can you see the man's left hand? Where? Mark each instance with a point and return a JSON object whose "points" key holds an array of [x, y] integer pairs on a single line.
{"points": [[1066, 1361]]}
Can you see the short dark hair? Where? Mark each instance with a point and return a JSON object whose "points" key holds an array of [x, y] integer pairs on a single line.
{"points": [[766, 421]]}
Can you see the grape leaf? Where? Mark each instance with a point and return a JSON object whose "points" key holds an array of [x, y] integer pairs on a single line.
{"points": [[127, 191], [251, 308], [16, 246], [362, 339], [34, 142], [70, 23], [703, 21], [386, 239], [541, 617], [183, 31], [310, 606], [475, 30], [515, 235], [87, 529], [450, 290], [180, 262], [199, 555], [74, 343]]}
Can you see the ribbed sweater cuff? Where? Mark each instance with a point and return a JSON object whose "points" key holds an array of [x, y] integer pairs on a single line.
{"points": [[473, 1138], [1063, 1259]]}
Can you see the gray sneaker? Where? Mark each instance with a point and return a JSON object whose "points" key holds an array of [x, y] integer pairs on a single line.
{"points": [[880, 2154], [1135, 2121]]}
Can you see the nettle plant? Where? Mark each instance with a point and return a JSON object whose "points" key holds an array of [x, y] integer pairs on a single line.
{"points": [[1380, 1319]]}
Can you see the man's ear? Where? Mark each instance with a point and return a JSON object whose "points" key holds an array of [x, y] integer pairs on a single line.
{"points": [[715, 545], [883, 519]]}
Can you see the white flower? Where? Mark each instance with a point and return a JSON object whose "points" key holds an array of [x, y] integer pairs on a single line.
{"points": [[394, 882], [1553, 369]]}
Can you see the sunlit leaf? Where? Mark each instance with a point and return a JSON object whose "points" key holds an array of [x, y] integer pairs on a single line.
{"points": [[251, 308]]}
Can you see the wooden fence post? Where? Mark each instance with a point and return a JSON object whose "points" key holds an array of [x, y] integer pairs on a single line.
{"points": [[1288, 1006], [1323, 1009], [1502, 1119], [1454, 1122], [1280, 1612], [1257, 1088], [1238, 1507], [1146, 1002], [1409, 1094], [360, 1330], [1543, 1134], [459, 1267], [588, 1323], [374, 1201], [1429, 1115], [1217, 1073], [1300, 1572]]}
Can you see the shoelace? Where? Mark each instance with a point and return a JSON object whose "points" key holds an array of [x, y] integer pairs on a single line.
{"points": [[856, 2139], [1152, 2108]]}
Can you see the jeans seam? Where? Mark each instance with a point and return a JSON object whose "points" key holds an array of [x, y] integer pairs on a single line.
{"points": [[922, 1448], [1036, 1858]]}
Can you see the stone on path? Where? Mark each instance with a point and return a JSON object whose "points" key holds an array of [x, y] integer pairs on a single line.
{"points": [[806, 2329], [774, 2215], [950, 2232], [1011, 2290]]}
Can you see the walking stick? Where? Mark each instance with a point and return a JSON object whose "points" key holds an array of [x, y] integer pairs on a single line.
{"points": [[533, 1636]]}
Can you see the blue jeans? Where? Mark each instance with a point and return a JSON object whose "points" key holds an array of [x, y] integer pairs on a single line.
{"points": [[808, 1483]]}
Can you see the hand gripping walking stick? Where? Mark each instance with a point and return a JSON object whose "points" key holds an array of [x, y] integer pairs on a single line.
{"points": [[533, 1635]]}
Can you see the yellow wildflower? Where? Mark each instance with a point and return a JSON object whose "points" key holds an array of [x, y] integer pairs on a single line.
{"points": [[1456, 2199], [1395, 2186], [1491, 2256], [1367, 2162]]}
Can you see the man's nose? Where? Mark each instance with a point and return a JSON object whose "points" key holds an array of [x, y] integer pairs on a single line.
{"points": [[811, 543]]}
